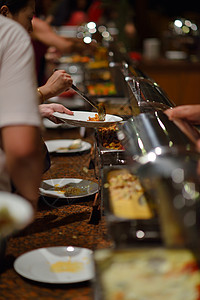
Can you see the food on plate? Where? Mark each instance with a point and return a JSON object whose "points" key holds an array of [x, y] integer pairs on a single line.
{"points": [[67, 266], [95, 118], [152, 274], [76, 144], [126, 195], [68, 190], [6, 220]]}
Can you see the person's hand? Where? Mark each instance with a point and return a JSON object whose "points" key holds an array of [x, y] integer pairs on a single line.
{"points": [[59, 82], [190, 113], [47, 110], [52, 55], [79, 46]]}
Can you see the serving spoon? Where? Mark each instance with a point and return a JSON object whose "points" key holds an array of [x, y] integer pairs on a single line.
{"points": [[101, 110]]}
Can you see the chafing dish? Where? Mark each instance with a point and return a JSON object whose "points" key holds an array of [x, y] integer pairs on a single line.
{"points": [[146, 273], [109, 150], [130, 222], [159, 149], [147, 131], [175, 186]]}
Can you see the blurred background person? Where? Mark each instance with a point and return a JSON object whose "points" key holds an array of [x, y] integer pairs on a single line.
{"points": [[44, 36]]}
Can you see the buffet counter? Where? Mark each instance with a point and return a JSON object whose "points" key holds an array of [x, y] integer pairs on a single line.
{"points": [[58, 223], [147, 171]]}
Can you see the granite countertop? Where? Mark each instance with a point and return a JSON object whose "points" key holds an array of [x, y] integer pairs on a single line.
{"points": [[57, 223]]}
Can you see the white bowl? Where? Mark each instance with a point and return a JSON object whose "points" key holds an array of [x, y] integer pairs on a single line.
{"points": [[15, 213]]}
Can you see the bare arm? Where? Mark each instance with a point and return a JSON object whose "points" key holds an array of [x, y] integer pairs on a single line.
{"points": [[191, 113], [24, 159], [43, 32], [59, 82]]}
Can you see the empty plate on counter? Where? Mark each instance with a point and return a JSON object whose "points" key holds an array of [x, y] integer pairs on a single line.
{"points": [[56, 265], [68, 188], [67, 146]]}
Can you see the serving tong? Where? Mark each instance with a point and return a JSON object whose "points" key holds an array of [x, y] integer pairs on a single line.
{"points": [[100, 107]]}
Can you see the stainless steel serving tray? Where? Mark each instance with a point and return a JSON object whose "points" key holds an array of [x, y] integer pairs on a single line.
{"points": [[148, 131], [124, 231], [108, 156]]}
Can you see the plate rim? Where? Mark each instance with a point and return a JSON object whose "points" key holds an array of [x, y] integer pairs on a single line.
{"points": [[21, 273], [61, 196]]}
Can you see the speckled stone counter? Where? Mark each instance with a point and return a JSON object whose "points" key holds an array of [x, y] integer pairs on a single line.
{"points": [[57, 223]]}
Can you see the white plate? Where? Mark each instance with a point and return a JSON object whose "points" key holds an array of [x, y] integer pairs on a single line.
{"points": [[44, 265], [57, 145], [15, 212], [80, 118], [49, 124], [82, 188]]}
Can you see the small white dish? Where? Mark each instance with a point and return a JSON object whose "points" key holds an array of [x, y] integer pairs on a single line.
{"points": [[51, 125], [56, 265], [15, 213], [80, 118]]}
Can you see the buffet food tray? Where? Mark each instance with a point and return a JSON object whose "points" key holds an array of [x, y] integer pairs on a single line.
{"points": [[109, 149], [146, 273], [130, 213]]}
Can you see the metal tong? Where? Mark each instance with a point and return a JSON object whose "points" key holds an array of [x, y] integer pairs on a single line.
{"points": [[99, 107]]}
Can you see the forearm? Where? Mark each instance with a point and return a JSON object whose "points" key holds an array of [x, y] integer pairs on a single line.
{"points": [[24, 159], [26, 177]]}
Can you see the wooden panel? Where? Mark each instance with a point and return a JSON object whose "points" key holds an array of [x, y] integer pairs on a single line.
{"points": [[181, 82]]}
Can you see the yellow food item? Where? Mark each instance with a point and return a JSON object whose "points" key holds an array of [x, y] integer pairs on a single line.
{"points": [[127, 196], [68, 190], [152, 274], [66, 266]]}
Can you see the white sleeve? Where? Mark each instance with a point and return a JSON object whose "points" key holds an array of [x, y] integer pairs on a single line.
{"points": [[18, 89]]}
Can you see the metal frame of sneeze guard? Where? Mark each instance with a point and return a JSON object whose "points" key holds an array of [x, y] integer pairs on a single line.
{"points": [[148, 131], [175, 186], [148, 94]]}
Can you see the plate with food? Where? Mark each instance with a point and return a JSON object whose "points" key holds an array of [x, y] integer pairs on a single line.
{"points": [[56, 265], [87, 119], [67, 146], [68, 188]]}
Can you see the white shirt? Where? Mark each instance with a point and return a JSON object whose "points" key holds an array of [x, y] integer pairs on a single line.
{"points": [[18, 95]]}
